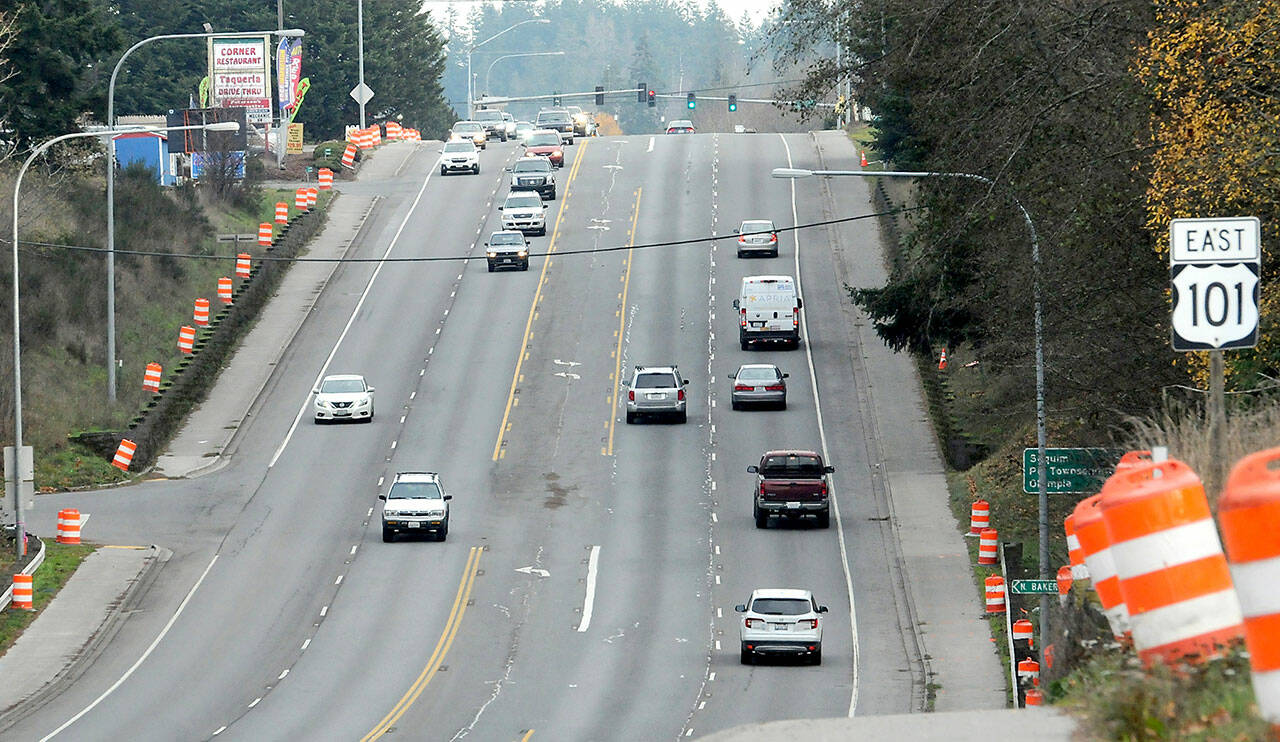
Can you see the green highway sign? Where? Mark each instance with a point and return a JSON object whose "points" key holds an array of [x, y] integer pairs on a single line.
{"points": [[1034, 587], [1070, 470]]}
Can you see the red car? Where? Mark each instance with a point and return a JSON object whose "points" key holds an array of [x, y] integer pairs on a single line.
{"points": [[545, 143]]}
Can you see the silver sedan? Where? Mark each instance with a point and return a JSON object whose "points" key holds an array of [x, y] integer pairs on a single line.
{"points": [[759, 383]]}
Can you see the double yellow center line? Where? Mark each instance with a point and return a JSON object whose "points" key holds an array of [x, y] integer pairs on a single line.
{"points": [[537, 296], [622, 328], [442, 648]]}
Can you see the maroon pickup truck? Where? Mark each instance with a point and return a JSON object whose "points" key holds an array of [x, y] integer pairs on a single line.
{"points": [[791, 484]]}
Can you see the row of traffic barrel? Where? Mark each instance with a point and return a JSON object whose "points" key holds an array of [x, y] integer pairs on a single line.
{"points": [[1150, 548], [269, 234], [23, 594], [371, 136]]}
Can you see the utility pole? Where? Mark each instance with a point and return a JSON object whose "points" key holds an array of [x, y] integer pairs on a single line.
{"points": [[360, 52]]}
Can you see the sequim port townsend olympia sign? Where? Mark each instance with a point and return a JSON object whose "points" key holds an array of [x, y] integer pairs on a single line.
{"points": [[1071, 470]]}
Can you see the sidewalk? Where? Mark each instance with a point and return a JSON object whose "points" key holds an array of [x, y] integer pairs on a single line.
{"points": [[198, 446]]}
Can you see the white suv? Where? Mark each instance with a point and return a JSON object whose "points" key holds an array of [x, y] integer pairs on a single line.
{"points": [[416, 503], [460, 155], [781, 621], [524, 211]]}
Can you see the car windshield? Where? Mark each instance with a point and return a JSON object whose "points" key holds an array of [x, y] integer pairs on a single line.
{"points": [[414, 491], [655, 381], [524, 202], [506, 238], [467, 128], [756, 227], [805, 467], [781, 606], [487, 116], [524, 126], [341, 386], [680, 124], [459, 147], [553, 116], [532, 165], [544, 140], [747, 373]]}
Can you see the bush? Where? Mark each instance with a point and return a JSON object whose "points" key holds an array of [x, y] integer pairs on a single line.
{"points": [[329, 154]]}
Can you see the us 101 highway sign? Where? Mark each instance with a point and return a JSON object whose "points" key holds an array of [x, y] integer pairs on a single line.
{"points": [[1214, 269]]}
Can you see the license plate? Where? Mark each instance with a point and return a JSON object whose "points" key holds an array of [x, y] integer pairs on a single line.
{"points": [[779, 627], [414, 525], [793, 506], [652, 395], [757, 389], [757, 324]]}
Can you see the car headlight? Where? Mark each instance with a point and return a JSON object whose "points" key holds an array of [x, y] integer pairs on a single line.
{"points": [[492, 253], [435, 514], [522, 254], [364, 402], [321, 402]]}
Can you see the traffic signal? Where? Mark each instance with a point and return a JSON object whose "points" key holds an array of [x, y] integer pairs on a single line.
{"points": [[640, 92], [692, 103], [555, 99], [653, 98], [733, 102], [599, 95]]}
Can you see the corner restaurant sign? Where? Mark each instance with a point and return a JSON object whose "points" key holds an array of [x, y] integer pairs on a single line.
{"points": [[240, 75]]}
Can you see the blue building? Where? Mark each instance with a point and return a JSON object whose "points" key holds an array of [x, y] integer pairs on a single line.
{"points": [[149, 148]]}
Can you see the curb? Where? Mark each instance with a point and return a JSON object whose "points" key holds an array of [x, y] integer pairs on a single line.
{"points": [[32, 565]]}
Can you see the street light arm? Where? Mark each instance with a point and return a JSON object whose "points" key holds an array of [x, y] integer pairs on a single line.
{"points": [[509, 56], [473, 47]]}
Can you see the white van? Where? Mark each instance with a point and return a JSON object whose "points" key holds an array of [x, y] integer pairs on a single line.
{"points": [[768, 311]]}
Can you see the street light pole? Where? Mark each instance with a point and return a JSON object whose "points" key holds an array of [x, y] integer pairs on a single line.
{"points": [[111, 181], [15, 475], [509, 56], [360, 54], [1041, 433], [473, 47]]}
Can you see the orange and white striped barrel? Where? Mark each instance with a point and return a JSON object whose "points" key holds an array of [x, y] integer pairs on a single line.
{"points": [[243, 265], [201, 313], [282, 212], [324, 178], [393, 130], [1249, 514], [363, 139], [124, 455], [1173, 574], [376, 131], [69, 526], [23, 592], [351, 132], [186, 338], [349, 156], [300, 199], [1023, 631], [313, 195], [988, 546], [224, 290], [415, 135], [994, 588], [151, 378], [1096, 545], [1075, 554], [1034, 698], [264, 234], [979, 516], [1028, 672]]}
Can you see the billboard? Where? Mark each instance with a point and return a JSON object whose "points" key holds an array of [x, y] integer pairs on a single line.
{"points": [[195, 140], [240, 76]]}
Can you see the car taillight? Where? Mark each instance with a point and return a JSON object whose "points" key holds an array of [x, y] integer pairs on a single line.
{"points": [[813, 623], [742, 240], [762, 488], [752, 623], [742, 388], [631, 395], [773, 238], [795, 316], [744, 317], [775, 388], [680, 395], [824, 488]]}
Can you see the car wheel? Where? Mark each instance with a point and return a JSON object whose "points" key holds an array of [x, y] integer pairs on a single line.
{"points": [[816, 657], [783, 404], [525, 266], [631, 418], [542, 232], [740, 254], [747, 657], [775, 253], [745, 345], [552, 197], [443, 171], [443, 534], [682, 417], [388, 535], [735, 404], [824, 519], [491, 267], [476, 170], [762, 518]]}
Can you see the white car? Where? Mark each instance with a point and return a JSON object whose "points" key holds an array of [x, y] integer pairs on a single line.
{"points": [[344, 397], [460, 155], [523, 211], [523, 130], [781, 621], [416, 503], [509, 123]]}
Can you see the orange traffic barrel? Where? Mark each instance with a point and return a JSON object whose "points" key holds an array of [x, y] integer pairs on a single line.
{"points": [[1075, 554], [224, 290], [124, 455], [349, 156], [1034, 698], [264, 234], [393, 130], [1249, 513], [1173, 574], [325, 178], [1023, 631], [376, 131], [1064, 580], [979, 516], [282, 212], [1132, 460], [300, 199], [23, 592], [1096, 545], [1028, 672], [242, 265], [151, 378], [201, 313], [988, 546], [69, 525], [186, 338], [313, 194], [995, 594]]}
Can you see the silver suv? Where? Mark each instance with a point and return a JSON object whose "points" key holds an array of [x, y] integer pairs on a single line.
{"points": [[416, 503], [657, 390]]}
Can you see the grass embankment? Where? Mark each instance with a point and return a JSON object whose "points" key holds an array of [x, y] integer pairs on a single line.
{"points": [[60, 562]]}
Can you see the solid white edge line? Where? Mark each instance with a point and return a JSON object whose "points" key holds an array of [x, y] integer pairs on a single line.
{"points": [[363, 295], [154, 643], [589, 603], [650, 145], [822, 433]]}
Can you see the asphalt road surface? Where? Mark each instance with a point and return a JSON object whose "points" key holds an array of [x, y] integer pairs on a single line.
{"points": [[587, 586]]}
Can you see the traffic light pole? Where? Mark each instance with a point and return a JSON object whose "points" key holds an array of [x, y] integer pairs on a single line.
{"points": [[640, 91]]}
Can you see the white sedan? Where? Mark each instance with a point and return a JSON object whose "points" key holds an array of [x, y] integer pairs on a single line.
{"points": [[344, 397], [781, 621]]}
